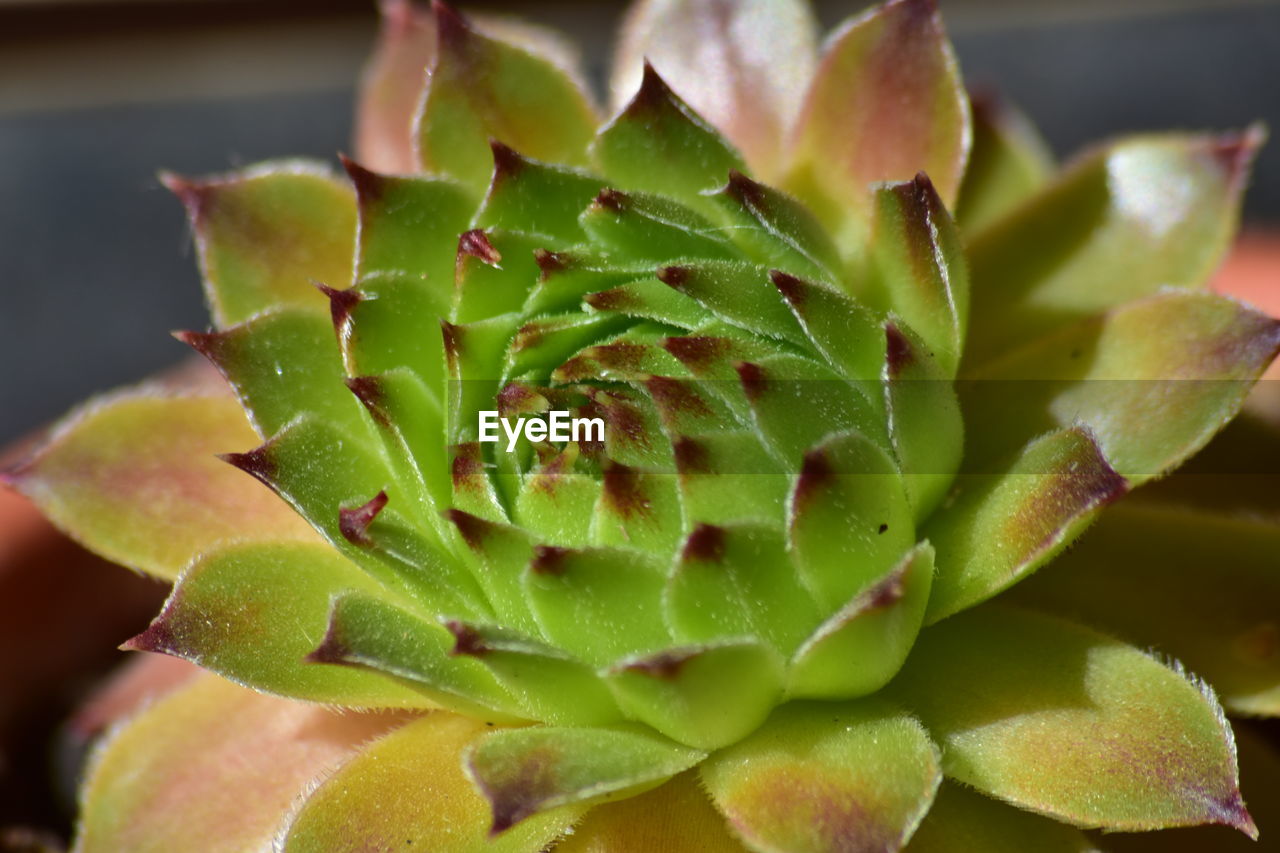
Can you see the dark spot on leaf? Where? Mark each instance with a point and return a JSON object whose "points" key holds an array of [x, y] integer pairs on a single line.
{"points": [[549, 262], [793, 289], [745, 190], [624, 490], [882, 528], [705, 544], [675, 277], [548, 560], [899, 354], [466, 466], [354, 522], [673, 396], [691, 456], [696, 352], [611, 199], [617, 299], [816, 475], [473, 529], [466, 640], [754, 382], [452, 342]]}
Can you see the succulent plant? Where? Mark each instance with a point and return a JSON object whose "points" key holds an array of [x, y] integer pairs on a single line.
{"points": [[850, 359]]}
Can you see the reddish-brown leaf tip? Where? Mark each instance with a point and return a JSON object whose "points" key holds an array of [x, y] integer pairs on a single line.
{"points": [[816, 474], [696, 351], [341, 303], [549, 262], [899, 354], [208, 344], [194, 195], [369, 185], [473, 529], [664, 665], [792, 288], [754, 382], [475, 244], [157, 637], [331, 650], [653, 94], [704, 545], [369, 391], [258, 463], [353, 522], [624, 490], [675, 277], [452, 29], [746, 191], [611, 199], [691, 456], [466, 640], [506, 162], [452, 341], [548, 560]]}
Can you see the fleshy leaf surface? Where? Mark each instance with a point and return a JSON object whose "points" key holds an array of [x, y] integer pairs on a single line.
{"points": [[153, 787], [135, 478], [206, 621], [1059, 719], [523, 772], [266, 233], [885, 103], [1008, 164], [410, 787], [962, 820], [1199, 587], [744, 66], [827, 778]]}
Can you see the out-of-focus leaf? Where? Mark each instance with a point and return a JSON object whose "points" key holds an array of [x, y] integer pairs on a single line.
{"points": [[1005, 525], [962, 821], [1151, 400], [207, 620], [410, 787], [481, 88], [524, 772], [1144, 213], [1201, 588], [266, 233], [1058, 719], [135, 478], [743, 66], [827, 777], [886, 103], [1008, 163], [676, 817], [213, 767], [391, 88]]}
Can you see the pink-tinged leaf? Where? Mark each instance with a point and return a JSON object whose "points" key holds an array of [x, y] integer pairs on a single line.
{"points": [[825, 778], [1008, 164], [964, 821], [1151, 400], [1142, 214], [391, 88], [705, 696], [252, 613], [524, 772], [676, 817], [134, 477], [1259, 779], [481, 88], [266, 233], [744, 66], [885, 104], [1202, 588], [1059, 719], [1003, 526], [408, 791], [921, 273], [860, 647], [213, 767]]}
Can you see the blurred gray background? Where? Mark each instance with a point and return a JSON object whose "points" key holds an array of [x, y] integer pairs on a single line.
{"points": [[95, 262]]}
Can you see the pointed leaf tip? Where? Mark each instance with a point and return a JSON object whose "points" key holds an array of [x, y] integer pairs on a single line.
{"points": [[258, 463], [475, 244], [341, 303], [354, 521], [191, 193], [1236, 152], [369, 184], [205, 343]]}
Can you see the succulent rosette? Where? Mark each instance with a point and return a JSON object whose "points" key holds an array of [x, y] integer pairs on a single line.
{"points": [[861, 361]]}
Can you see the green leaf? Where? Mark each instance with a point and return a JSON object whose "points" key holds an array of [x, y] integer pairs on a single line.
{"points": [[537, 198], [659, 144], [886, 103], [265, 233], [410, 787], [481, 88], [537, 676], [1199, 587], [863, 644], [920, 268], [738, 581], [962, 821], [847, 484], [1144, 213], [495, 271], [391, 87], [134, 478], [652, 228], [597, 603], [925, 423], [722, 63], [153, 787], [1058, 719], [207, 621], [827, 777], [1008, 164], [524, 772], [1152, 400], [676, 817], [706, 696], [844, 333], [739, 293], [1003, 526], [368, 635]]}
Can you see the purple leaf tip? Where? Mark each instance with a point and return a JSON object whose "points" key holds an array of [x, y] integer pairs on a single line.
{"points": [[466, 640], [791, 287], [354, 522], [610, 199], [704, 545], [675, 277], [899, 354], [341, 303], [258, 463], [475, 244], [369, 184]]}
